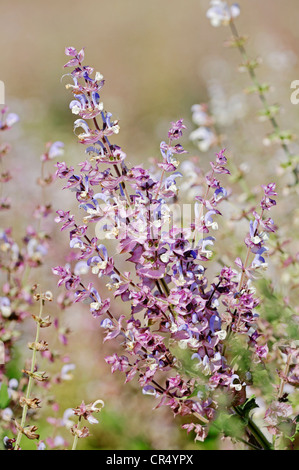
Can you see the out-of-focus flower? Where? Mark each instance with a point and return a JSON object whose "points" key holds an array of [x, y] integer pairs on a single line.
{"points": [[200, 115], [41, 446], [203, 137], [65, 371], [66, 421], [7, 120], [6, 414], [220, 13], [5, 307], [56, 150]]}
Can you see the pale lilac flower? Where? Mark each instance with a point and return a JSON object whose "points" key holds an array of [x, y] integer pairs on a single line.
{"points": [[66, 421], [56, 150], [203, 137], [5, 307], [220, 13], [6, 414], [41, 446], [200, 115], [65, 371]]}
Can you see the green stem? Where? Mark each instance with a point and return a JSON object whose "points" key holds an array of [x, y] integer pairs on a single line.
{"points": [[262, 97], [31, 379], [76, 437], [254, 430]]}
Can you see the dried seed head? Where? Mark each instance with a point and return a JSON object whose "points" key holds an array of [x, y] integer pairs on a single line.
{"points": [[39, 346], [44, 296], [30, 433], [32, 403], [40, 376], [81, 433], [44, 322]]}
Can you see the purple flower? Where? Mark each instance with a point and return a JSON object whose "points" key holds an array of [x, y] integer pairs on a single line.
{"points": [[176, 130], [117, 362], [56, 150]]}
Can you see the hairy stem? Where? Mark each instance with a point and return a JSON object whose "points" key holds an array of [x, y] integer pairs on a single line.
{"points": [[31, 379]]}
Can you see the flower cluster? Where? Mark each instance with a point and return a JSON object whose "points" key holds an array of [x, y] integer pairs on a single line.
{"points": [[173, 305]]}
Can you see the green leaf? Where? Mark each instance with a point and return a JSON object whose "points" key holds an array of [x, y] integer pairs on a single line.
{"points": [[262, 379], [249, 405], [229, 425], [4, 397], [260, 88]]}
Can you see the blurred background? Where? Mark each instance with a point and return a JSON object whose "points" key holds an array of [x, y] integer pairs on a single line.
{"points": [[158, 59]]}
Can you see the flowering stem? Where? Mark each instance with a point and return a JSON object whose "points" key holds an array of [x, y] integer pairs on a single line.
{"points": [[30, 381], [254, 430], [244, 269], [246, 265], [204, 198], [262, 97], [116, 167], [283, 379], [160, 184], [76, 437]]}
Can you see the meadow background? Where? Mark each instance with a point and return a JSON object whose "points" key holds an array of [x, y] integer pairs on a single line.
{"points": [[158, 58]]}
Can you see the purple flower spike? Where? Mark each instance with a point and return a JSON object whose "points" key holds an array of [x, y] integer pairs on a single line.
{"points": [[161, 268]]}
